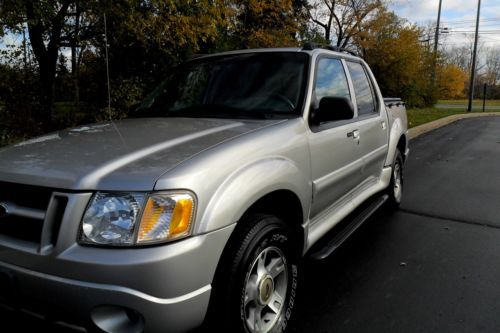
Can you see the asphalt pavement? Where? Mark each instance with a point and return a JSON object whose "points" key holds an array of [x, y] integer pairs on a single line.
{"points": [[464, 106], [432, 266]]}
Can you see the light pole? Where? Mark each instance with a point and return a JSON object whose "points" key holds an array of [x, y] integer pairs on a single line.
{"points": [[474, 55], [436, 41], [436, 37]]}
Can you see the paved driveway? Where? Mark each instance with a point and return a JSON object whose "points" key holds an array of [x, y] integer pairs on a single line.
{"points": [[433, 266], [464, 106]]}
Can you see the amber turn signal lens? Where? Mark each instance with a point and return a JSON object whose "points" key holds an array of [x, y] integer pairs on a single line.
{"points": [[166, 217], [182, 217]]}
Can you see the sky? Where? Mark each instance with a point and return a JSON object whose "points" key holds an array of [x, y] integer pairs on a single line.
{"points": [[459, 16]]}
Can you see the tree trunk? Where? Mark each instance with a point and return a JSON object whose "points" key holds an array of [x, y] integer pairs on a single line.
{"points": [[46, 55]]}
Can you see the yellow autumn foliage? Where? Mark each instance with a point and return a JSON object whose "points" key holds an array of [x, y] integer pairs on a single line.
{"points": [[266, 23], [402, 65], [451, 81]]}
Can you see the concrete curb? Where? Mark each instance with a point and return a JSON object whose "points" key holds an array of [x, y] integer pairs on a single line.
{"points": [[424, 128]]}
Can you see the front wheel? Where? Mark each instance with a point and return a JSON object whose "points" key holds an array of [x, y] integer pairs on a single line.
{"points": [[255, 287]]}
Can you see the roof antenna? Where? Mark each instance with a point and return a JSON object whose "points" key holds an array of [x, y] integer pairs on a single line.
{"points": [[107, 65], [109, 86]]}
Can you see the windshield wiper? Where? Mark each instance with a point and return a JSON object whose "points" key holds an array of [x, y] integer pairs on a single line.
{"points": [[216, 111]]}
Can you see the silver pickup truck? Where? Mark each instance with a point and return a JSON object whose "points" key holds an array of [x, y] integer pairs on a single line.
{"points": [[199, 210]]}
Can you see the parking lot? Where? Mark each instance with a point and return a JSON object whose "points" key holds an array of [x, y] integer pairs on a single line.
{"points": [[433, 266]]}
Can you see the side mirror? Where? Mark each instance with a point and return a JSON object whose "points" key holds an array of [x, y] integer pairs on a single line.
{"points": [[332, 109]]}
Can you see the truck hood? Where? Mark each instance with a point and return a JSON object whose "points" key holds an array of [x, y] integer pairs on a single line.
{"points": [[127, 155]]}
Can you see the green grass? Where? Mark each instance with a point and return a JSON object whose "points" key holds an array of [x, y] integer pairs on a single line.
{"points": [[63, 108], [421, 116], [491, 102], [8, 139]]}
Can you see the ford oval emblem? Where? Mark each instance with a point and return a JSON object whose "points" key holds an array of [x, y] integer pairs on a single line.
{"points": [[4, 210]]}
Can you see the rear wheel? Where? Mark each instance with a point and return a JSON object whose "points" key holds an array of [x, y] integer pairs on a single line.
{"points": [[395, 189], [255, 285]]}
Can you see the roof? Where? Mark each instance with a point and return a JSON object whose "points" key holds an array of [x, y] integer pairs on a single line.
{"points": [[309, 49]]}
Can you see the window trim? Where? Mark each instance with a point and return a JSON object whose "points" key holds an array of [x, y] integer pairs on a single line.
{"points": [[375, 97], [337, 123]]}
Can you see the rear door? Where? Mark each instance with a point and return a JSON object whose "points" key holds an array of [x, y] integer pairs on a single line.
{"points": [[371, 123], [336, 159]]}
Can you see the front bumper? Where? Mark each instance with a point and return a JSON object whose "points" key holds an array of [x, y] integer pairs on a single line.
{"points": [[157, 289]]}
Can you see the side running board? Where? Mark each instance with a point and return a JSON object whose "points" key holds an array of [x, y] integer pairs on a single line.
{"points": [[341, 236]]}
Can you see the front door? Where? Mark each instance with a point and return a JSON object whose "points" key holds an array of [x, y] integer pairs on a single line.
{"points": [[336, 159]]}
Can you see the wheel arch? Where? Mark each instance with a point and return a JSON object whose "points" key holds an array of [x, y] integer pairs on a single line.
{"points": [[285, 205], [397, 140], [267, 184], [401, 146]]}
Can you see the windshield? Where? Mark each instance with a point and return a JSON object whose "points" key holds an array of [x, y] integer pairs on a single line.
{"points": [[255, 85]]}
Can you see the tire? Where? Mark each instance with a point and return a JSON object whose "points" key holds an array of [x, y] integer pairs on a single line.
{"points": [[255, 284], [395, 189]]}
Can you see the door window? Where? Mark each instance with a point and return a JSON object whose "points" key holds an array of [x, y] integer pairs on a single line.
{"points": [[362, 88], [331, 79]]}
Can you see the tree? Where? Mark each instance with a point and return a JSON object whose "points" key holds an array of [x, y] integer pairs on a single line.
{"points": [[492, 66], [145, 31], [402, 65], [460, 56], [146, 39], [268, 23], [83, 27], [342, 19], [49, 23], [451, 81], [64, 59], [177, 28]]}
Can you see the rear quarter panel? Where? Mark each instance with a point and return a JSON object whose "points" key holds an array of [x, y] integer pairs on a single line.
{"points": [[398, 126]]}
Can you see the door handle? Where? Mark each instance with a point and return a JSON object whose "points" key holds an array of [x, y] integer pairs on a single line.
{"points": [[354, 134]]}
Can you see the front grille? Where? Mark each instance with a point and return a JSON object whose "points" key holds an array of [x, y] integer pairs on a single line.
{"points": [[23, 228], [25, 195], [34, 216]]}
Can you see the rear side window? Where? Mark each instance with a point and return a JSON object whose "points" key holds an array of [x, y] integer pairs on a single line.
{"points": [[365, 98], [331, 79]]}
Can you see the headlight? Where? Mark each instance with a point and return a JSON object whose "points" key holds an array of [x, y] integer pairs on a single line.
{"points": [[124, 219]]}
